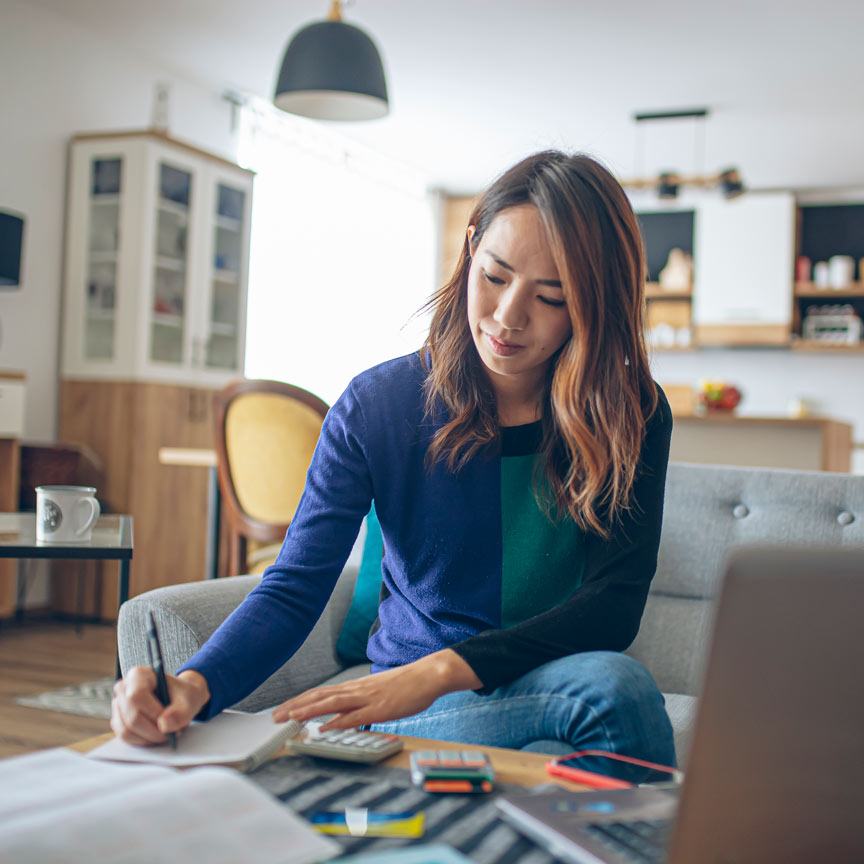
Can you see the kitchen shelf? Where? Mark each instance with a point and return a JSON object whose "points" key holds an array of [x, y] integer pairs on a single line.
{"points": [[814, 292], [653, 291], [818, 345]]}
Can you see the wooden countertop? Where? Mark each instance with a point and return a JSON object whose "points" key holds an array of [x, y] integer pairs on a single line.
{"points": [[730, 417]]}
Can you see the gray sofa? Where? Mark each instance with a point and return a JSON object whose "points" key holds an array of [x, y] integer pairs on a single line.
{"points": [[709, 509]]}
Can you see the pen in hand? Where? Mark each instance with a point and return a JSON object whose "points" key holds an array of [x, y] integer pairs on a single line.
{"points": [[154, 649]]}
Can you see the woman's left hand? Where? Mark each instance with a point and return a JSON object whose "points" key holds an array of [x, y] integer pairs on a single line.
{"points": [[383, 696]]}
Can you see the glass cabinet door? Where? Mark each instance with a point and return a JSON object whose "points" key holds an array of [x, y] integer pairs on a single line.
{"points": [[170, 265], [224, 318], [106, 182]]}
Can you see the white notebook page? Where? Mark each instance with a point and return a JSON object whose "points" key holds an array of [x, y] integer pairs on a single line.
{"points": [[230, 738]]}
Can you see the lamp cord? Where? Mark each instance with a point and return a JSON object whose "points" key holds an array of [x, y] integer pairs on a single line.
{"points": [[699, 145]]}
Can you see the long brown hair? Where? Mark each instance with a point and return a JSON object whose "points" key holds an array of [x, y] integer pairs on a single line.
{"points": [[599, 392]]}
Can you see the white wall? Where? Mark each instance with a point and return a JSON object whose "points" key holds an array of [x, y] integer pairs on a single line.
{"points": [[58, 80]]}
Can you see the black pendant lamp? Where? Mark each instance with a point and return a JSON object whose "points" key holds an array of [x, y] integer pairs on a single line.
{"points": [[332, 71]]}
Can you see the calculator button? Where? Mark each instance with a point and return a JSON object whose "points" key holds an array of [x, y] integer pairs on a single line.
{"points": [[473, 759], [449, 759]]}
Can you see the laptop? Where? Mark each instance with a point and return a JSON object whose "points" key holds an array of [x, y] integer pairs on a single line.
{"points": [[776, 767]]}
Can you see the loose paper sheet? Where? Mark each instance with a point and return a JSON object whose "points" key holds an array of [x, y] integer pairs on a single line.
{"points": [[58, 806]]}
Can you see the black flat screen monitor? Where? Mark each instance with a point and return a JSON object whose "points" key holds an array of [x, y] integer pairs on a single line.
{"points": [[11, 234]]}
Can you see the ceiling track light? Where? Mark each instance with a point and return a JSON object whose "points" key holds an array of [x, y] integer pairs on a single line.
{"points": [[332, 71], [669, 183]]}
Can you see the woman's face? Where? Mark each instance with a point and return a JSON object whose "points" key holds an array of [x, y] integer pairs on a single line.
{"points": [[516, 309]]}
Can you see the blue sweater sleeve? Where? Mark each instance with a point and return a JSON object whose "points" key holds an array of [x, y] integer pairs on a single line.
{"points": [[277, 616]]}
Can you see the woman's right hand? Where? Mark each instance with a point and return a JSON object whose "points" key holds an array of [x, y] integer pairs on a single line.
{"points": [[137, 715]]}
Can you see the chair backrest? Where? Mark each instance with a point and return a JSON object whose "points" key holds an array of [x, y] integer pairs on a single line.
{"points": [[711, 509], [266, 432]]}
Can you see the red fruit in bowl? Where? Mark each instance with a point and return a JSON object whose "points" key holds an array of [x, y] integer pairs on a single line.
{"points": [[730, 397]]}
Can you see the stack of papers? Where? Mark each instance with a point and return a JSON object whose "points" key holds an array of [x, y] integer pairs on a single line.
{"points": [[59, 806]]}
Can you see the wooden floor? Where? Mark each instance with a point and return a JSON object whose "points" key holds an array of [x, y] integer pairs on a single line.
{"points": [[43, 654]]}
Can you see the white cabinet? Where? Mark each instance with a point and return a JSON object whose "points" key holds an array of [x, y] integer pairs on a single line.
{"points": [[743, 255], [156, 261]]}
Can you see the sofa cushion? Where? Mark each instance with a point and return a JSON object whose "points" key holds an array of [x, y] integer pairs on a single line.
{"points": [[682, 713], [354, 636], [710, 510]]}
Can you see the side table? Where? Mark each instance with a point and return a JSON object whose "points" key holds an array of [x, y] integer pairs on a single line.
{"points": [[111, 540]]}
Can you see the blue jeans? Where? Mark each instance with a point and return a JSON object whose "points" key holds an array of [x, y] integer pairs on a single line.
{"points": [[599, 700]]}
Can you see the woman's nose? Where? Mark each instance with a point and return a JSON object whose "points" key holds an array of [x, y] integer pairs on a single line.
{"points": [[512, 312]]}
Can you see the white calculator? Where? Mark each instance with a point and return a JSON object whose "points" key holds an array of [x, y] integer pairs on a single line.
{"points": [[350, 745]]}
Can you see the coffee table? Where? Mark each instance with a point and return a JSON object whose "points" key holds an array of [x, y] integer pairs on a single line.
{"points": [[341, 784], [511, 766], [111, 540]]}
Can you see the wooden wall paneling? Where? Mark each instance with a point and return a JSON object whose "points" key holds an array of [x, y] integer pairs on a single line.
{"points": [[10, 462], [456, 211], [836, 446], [169, 502], [675, 313], [99, 414]]}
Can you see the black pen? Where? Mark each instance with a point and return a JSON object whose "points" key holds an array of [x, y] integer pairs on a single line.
{"points": [[154, 649]]}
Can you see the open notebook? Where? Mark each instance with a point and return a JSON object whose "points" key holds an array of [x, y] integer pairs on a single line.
{"points": [[232, 738]]}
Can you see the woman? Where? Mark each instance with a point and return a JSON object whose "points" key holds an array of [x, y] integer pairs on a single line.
{"points": [[517, 464]]}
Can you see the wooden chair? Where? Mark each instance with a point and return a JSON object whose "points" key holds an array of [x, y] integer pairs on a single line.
{"points": [[266, 432]]}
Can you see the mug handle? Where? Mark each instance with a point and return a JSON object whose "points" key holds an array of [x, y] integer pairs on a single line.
{"points": [[95, 512]]}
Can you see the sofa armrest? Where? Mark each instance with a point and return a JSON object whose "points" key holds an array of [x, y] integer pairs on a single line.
{"points": [[187, 614]]}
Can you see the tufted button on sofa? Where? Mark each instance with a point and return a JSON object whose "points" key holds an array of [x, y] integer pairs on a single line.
{"points": [[709, 510]]}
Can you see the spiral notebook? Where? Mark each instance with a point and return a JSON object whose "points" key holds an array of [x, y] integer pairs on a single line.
{"points": [[232, 738]]}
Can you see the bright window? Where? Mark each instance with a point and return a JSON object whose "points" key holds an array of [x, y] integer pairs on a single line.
{"points": [[343, 253]]}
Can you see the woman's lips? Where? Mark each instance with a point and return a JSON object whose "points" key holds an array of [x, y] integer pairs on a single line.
{"points": [[503, 349]]}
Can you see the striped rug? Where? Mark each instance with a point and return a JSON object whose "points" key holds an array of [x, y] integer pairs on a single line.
{"points": [[91, 699]]}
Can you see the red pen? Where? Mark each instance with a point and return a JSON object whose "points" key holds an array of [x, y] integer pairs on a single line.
{"points": [[564, 766]]}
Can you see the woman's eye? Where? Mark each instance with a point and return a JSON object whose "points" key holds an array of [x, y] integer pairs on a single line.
{"points": [[549, 302], [493, 279]]}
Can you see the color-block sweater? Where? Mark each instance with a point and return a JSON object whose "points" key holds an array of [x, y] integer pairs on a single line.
{"points": [[470, 561]]}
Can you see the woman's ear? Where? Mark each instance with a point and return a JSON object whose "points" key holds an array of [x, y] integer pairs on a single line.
{"points": [[472, 230]]}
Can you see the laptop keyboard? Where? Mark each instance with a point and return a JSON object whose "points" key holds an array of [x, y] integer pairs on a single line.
{"points": [[637, 841]]}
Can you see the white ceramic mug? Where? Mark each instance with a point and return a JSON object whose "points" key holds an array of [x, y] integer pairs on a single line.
{"points": [[65, 514], [841, 270]]}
